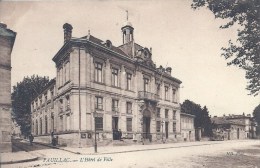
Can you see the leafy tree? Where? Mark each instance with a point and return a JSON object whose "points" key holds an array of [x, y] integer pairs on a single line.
{"points": [[202, 118], [256, 114], [244, 53], [22, 95], [206, 122]]}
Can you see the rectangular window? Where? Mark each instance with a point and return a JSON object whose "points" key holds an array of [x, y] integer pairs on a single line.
{"points": [[146, 83], [61, 123], [99, 123], [166, 113], [158, 90], [129, 124], [174, 115], [98, 72], [45, 97], [67, 103], [115, 105], [128, 107], [52, 103], [174, 127], [99, 103], [128, 81], [61, 76], [36, 128], [115, 77], [45, 101], [46, 125], [158, 111], [68, 122], [166, 93], [40, 126], [158, 126], [173, 95], [61, 105], [40, 102], [67, 71]]}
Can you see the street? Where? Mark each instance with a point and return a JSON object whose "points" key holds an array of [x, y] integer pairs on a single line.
{"points": [[220, 154]]}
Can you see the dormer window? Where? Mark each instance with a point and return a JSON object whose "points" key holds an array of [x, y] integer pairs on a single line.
{"points": [[108, 44], [145, 54]]}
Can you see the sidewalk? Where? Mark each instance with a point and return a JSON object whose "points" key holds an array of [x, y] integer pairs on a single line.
{"points": [[16, 157], [133, 148]]}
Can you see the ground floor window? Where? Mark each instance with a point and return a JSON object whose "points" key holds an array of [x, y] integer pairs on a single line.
{"points": [[129, 124], [174, 127], [36, 129], [158, 126], [40, 126], [99, 124], [46, 125], [61, 123]]}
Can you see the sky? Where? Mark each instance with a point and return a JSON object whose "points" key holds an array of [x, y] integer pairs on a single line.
{"points": [[188, 41]]}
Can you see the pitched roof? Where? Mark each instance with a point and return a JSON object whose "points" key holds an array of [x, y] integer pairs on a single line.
{"points": [[100, 42], [225, 120], [127, 48]]}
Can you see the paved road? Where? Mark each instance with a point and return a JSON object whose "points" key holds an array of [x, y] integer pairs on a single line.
{"points": [[225, 154]]}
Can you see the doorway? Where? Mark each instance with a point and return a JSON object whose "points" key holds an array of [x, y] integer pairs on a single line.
{"points": [[146, 127], [238, 133], [115, 128]]}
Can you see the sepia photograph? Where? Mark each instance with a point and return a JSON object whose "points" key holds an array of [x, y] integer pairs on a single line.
{"points": [[130, 84]]}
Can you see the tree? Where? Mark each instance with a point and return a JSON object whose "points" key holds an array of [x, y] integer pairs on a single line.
{"points": [[244, 53], [22, 95], [256, 114], [202, 119]]}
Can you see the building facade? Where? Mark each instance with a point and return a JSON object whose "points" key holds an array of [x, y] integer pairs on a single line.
{"points": [[112, 89], [7, 38], [187, 127], [234, 127]]}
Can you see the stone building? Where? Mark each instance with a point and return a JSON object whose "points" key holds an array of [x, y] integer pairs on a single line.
{"points": [[99, 85], [7, 38], [187, 127], [234, 127]]}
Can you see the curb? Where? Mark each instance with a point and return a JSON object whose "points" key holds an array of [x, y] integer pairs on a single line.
{"points": [[34, 158], [20, 161], [127, 151], [140, 150], [55, 147]]}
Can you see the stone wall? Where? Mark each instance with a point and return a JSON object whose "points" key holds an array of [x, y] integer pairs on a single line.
{"points": [[7, 38]]}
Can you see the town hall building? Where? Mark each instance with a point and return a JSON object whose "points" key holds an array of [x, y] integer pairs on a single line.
{"points": [[111, 88]]}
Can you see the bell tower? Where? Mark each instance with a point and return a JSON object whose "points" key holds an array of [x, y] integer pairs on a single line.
{"points": [[127, 30]]}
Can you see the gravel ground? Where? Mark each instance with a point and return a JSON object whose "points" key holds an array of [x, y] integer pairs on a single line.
{"points": [[226, 154]]}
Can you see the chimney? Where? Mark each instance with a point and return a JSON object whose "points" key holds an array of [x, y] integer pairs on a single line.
{"points": [[67, 32], [169, 70]]}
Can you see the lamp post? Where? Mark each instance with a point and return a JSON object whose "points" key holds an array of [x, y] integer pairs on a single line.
{"points": [[162, 122]]}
